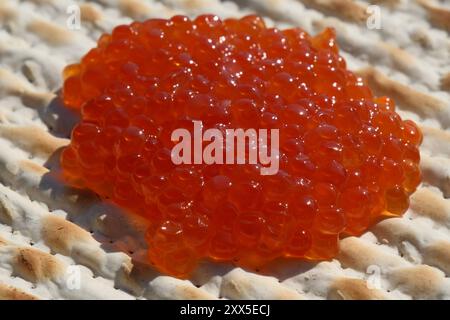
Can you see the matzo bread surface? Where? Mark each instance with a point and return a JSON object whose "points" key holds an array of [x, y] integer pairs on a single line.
{"points": [[59, 243]]}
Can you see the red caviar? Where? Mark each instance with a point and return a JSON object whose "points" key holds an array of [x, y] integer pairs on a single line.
{"points": [[347, 159]]}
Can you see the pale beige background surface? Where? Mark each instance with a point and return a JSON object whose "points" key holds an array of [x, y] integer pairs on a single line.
{"points": [[51, 237]]}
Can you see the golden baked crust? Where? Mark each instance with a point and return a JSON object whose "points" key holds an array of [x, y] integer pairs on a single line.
{"points": [[49, 233]]}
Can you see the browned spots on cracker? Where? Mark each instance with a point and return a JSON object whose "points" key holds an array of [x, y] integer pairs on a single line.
{"points": [[43, 1], [239, 284], [136, 9], [31, 166], [389, 3], [234, 288], [69, 239], [445, 82], [36, 99], [192, 4], [195, 4], [187, 292], [175, 289], [35, 265], [422, 38], [418, 102], [33, 139], [60, 234], [396, 231], [12, 293], [12, 84], [420, 281], [127, 279], [359, 255], [427, 203], [50, 32], [436, 141], [7, 12], [400, 58], [353, 289], [438, 254], [89, 13], [6, 215], [3, 118], [439, 17], [345, 9]]}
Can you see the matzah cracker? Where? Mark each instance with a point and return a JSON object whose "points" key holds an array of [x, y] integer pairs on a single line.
{"points": [[58, 243]]}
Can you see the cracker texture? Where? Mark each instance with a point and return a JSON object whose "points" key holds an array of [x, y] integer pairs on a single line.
{"points": [[60, 243]]}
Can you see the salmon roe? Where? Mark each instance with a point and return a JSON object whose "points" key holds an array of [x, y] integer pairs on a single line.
{"points": [[347, 159]]}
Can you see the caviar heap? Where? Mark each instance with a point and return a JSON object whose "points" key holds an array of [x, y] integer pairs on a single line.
{"points": [[347, 159]]}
